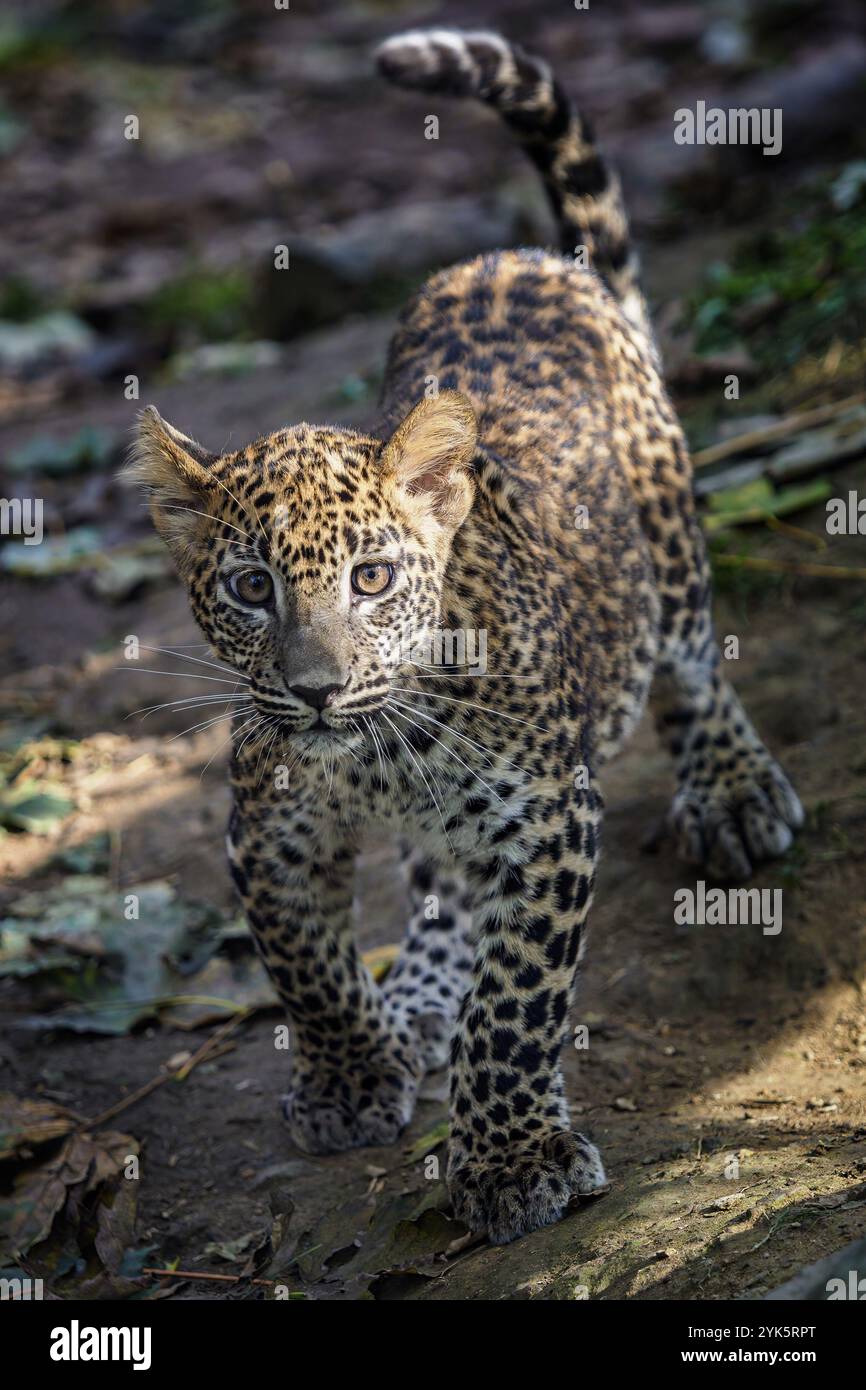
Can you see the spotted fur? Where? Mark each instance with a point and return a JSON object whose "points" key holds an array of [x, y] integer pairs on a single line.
{"points": [[542, 494]]}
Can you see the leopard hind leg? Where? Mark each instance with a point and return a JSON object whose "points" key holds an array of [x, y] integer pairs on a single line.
{"points": [[733, 806], [428, 981]]}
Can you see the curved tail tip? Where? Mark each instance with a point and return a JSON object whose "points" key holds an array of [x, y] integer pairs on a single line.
{"points": [[420, 58], [408, 59]]}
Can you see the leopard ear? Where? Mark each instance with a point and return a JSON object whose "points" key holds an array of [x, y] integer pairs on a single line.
{"points": [[174, 472], [430, 453]]}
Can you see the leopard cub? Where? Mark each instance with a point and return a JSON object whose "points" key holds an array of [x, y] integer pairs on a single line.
{"points": [[321, 562]]}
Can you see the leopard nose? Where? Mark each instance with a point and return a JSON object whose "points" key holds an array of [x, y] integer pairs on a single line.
{"points": [[317, 696]]}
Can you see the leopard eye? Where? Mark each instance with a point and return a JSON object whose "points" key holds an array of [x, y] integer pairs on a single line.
{"points": [[372, 579], [252, 586]]}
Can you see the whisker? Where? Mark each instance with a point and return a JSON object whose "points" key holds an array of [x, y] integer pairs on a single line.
{"points": [[328, 768], [349, 749], [253, 730], [180, 675], [454, 754], [175, 507], [272, 726], [222, 745], [443, 789], [167, 651], [432, 794], [206, 724], [451, 700], [479, 747], [368, 723], [192, 701], [276, 734], [221, 484]]}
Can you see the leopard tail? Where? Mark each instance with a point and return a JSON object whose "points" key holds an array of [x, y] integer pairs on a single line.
{"points": [[583, 190]]}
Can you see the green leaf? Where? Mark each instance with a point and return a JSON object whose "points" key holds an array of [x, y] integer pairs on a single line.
{"points": [[757, 493], [122, 970], [755, 505], [133, 1261], [27, 1124], [428, 1142], [232, 1250], [33, 806]]}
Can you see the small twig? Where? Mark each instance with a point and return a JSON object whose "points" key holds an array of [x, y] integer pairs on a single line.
{"points": [[761, 1100], [136, 1096], [463, 1247], [190, 1274], [224, 1029], [791, 424], [797, 533], [220, 1052], [179, 1075], [756, 562]]}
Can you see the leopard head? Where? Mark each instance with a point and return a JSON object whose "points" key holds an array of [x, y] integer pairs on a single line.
{"points": [[314, 557]]}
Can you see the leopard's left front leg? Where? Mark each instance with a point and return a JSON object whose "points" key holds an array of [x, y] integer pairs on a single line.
{"points": [[355, 1072], [514, 1161]]}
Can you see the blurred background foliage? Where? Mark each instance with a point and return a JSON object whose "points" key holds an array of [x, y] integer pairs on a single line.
{"points": [[260, 127]]}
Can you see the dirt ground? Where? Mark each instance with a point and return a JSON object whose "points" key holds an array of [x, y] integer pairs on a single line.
{"points": [[725, 1076]]}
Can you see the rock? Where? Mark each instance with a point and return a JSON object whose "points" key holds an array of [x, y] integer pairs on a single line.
{"points": [[123, 574], [667, 27], [829, 1279], [731, 429], [372, 259], [722, 1203], [706, 369], [51, 338], [815, 450], [225, 359], [820, 97], [726, 43]]}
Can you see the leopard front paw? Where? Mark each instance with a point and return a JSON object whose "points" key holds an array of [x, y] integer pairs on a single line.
{"points": [[729, 827], [509, 1194], [365, 1106]]}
